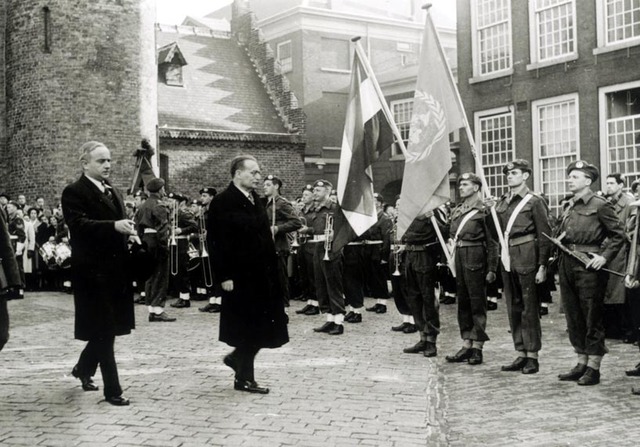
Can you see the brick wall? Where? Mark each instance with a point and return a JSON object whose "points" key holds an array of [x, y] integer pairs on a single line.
{"points": [[197, 163], [4, 155], [88, 87]]}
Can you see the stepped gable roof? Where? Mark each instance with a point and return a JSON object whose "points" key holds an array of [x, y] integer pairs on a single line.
{"points": [[221, 89]]}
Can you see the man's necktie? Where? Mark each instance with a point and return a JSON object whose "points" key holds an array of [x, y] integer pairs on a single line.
{"points": [[107, 191]]}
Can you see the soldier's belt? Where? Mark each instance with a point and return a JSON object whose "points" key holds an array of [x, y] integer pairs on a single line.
{"points": [[373, 242], [356, 243], [398, 246], [419, 247], [182, 237], [317, 238], [150, 230], [462, 244], [13, 237], [521, 240], [583, 248]]}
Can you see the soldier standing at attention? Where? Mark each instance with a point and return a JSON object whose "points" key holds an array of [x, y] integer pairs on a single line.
{"points": [[185, 228], [214, 293], [307, 249], [586, 223], [476, 262], [377, 249], [523, 218]]}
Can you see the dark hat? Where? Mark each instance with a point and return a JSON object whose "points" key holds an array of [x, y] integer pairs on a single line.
{"points": [[5, 195], [142, 195], [155, 185], [208, 190], [323, 183], [195, 202], [129, 204], [470, 177], [589, 170], [177, 197], [518, 163], [273, 179], [307, 188], [378, 197]]}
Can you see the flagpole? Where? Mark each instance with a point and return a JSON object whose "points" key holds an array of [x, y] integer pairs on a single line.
{"points": [[383, 102], [478, 162]]}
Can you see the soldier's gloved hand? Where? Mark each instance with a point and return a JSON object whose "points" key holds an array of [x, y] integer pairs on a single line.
{"points": [[491, 277], [30, 254], [630, 282], [596, 262], [541, 276], [227, 285], [490, 201]]}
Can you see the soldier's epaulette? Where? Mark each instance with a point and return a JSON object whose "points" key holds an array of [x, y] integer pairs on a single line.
{"points": [[599, 198]]}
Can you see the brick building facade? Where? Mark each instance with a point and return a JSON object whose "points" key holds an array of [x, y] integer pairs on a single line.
{"points": [[551, 82]]}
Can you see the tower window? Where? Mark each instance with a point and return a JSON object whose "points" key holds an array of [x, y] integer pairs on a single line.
{"points": [[46, 15]]}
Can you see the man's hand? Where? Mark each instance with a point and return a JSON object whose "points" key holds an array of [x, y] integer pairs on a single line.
{"points": [[491, 277], [630, 282], [490, 201], [541, 276], [428, 214], [274, 229], [597, 261], [125, 226], [227, 285]]}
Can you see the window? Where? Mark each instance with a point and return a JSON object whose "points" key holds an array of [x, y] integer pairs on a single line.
{"points": [[46, 16], [283, 55], [335, 54], [402, 110], [491, 37], [494, 138], [555, 145], [620, 118], [618, 24], [173, 75], [553, 31]]}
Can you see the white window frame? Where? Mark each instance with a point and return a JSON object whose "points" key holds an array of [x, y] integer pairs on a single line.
{"points": [[536, 63], [396, 152], [475, 48], [602, 103], [601, 25], [349, 56], [477, 117], [285, 67], [535, 133]]}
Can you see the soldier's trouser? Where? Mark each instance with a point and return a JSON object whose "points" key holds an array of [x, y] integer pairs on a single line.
{"points": [[399, 285], [633, 297], [4, 322], [182, 279], [378, 272], [583, 300], [420, 272], [329, 286], [354, 264], [523, 309], [307, 275], [283, 277], [158, 284], [471, 271]]}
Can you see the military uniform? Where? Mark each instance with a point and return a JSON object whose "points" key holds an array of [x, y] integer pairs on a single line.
{"points": [[306, 254], [423, 253], [186, 228], [586, 223], [377, 247]]}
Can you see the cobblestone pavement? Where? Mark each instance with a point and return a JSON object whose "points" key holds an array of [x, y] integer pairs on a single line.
{"points": [[354, 389]]}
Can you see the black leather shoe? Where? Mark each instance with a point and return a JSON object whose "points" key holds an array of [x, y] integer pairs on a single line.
{"points": [[412, 328], [349, 316], [212, 308], [448, 300], [337, 329], [249, 386], [373, 308], [230, 361], [357, 318], [544, 311], [517, 365], [476, 356], [160, 318], [181, 304], [492, 305], [590, 377], [531, 367], [140, 300], [304, 309], [325, 327], [400, 327], [430, 350], [634, 372], [382, 309], [118, 401], [313, 310], [460, 356], [417, 348], [575, 373], [87, 381]]}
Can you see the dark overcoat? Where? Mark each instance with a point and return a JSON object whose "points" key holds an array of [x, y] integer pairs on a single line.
{"points": [[99, 262], [243, 251], [10, 274]]}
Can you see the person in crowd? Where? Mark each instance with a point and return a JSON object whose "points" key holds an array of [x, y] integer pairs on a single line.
{"points": [[307, 249], [16, 227], [30, 259]]}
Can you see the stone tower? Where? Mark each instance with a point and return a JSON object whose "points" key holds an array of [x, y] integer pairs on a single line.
{"points": [[73, 71]]}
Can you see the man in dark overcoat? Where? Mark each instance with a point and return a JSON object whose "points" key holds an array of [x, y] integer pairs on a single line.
{"points": [[245, 262], [9, 278], [95, 214]]}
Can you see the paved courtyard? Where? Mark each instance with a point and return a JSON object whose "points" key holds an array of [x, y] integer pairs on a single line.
{"points": [[355, 389]]}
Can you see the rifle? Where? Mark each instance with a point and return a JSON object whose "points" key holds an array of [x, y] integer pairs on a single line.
{"points": [[582, 257]]}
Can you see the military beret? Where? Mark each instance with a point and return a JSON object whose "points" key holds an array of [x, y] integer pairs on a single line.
{"points": [[308, 188], [129, 204], [273, 179], [155, 184], [208, 190], [323, 183], [519, 163], [177, 197], [142, 195], [589, 170], [378, 197], [470, 177]]}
